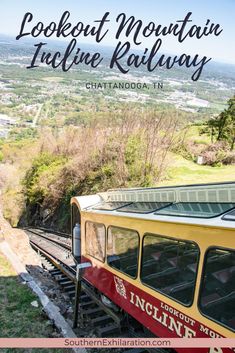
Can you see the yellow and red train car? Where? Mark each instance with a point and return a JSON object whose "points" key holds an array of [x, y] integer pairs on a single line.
{"points": [[165, 256]]}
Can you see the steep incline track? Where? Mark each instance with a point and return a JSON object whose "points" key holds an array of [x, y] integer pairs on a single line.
{"points": [[55, 251]]}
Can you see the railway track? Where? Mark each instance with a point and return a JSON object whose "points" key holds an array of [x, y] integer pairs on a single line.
{"points": [[60, 264], [56, 258], [65, 242]]}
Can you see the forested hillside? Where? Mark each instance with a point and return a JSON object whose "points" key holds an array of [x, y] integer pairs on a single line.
{"points": [[128, 148]]}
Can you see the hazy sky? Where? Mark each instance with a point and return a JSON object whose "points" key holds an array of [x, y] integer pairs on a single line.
{"points": [[161, 12]]}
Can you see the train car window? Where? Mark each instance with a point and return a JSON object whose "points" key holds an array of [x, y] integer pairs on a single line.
{"points": [[170, 266], [196, 209], [123, 249], [229, 216], [110, 206], [217, 295], [144, 207], [95, 240]]}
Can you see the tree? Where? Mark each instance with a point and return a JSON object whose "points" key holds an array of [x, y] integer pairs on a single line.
{"points": [[222, 127]]}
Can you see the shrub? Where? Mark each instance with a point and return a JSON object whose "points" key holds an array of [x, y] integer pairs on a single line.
{"points": [[41, 177], [217, 154]]}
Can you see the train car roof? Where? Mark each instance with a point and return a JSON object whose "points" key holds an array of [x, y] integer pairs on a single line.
{"points": [[202, 204]]}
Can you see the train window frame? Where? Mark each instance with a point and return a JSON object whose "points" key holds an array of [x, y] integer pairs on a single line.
{"points": [[192, 216], [196, 276], [212, 247], [138, 253], [105, 232], [227, 216], [124, 210], [95, 207], [74, 206]]}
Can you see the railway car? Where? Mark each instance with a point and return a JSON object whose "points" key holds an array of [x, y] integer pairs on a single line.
{"points": [[164, 256]]}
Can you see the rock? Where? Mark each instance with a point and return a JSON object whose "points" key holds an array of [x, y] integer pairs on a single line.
{"points": [[65, 296], [52, 293], [34, 304], [70, 309], [63, 308], [55, 334]]}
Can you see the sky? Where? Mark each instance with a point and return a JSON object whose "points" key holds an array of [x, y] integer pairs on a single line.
{"points": [[219, 48]]}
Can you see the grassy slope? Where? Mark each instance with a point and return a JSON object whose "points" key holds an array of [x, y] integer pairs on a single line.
{"points": [[18, 317], [182, 171]]}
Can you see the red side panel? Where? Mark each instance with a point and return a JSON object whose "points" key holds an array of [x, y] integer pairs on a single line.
{"points": [[157, 316]]}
